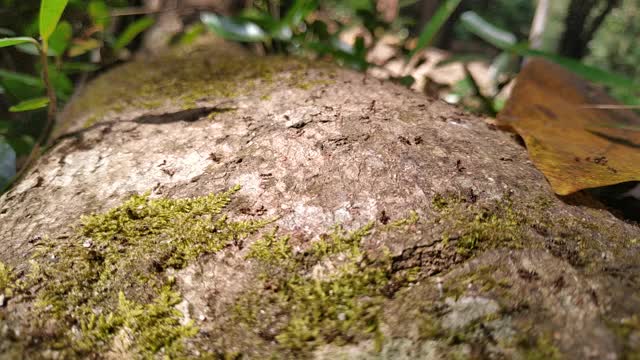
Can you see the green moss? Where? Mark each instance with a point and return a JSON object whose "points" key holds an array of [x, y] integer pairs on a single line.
{"points": [[340, 306], [271, 249], [306, 85], [142, 329], [482, 279], [411, 219], [339, 241], [473, 227], [429, 327], [541, 349], [110, 280], [625, 329], [7, 280], [212, 72], [441, 202], [336, 310]]}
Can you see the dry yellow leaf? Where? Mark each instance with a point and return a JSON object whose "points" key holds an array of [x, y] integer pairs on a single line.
{"points": [[576, 145]]}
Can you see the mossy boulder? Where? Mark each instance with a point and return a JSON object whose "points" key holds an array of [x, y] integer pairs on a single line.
{"points": [[207, 203]]}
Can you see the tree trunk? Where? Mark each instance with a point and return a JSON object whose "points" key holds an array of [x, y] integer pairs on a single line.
{"points": [[583, 19], [446, 230]]}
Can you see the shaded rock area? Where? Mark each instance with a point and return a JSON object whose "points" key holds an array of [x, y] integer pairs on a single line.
{"points": [[207, 203]]}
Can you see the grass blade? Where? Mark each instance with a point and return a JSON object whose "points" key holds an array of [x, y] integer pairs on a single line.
{"points": [[435, 23], [506, 41]]}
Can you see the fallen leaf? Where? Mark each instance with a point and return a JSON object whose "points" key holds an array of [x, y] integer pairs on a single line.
{"points": [[575, 144]]}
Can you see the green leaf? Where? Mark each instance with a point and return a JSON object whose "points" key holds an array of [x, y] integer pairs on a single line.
{"points": [[13, 41], [32, 49], [50, 13], [502, 64], [22, 144], [26, 79], [132, 31], [486, 31], [99, 12], [464, 58], [78, 67], [487, 103], [82, 46], [234, 29], [342, 52], [21, 86], [506, 41], [407, 80], [320, 30], [404, 3], [276, 29], [61, 83], [31, 104], [299, 11], [433, 26], [61, 38], [191, 34], [360, 49]]}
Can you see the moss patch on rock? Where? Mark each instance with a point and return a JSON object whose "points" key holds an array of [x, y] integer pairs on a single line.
{"points": [[332, 292], [474, 227], [628, 329], [471, 226], [109, 286], [7, 282], [216, 71]]}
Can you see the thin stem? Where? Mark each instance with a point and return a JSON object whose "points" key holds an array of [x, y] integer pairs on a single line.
{"points": [[51, 94], [51, 116]]}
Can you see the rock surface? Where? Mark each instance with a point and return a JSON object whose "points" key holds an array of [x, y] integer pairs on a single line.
{"points": [[468, 252]]}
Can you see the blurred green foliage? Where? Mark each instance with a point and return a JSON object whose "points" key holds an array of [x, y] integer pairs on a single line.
{"points": [[616, 46], [513, 15]]}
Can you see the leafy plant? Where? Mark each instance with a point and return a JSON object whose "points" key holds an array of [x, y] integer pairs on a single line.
{"points": [[50, 13], [295, 32], [61, 54], [507, 42]]}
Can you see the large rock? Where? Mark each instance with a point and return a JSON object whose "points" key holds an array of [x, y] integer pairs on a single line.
{"points": [[370, 222]]}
